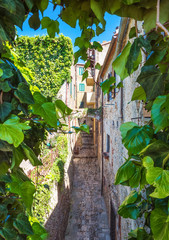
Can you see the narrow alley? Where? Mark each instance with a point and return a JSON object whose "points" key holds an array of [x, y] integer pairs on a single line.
{"points": [[88, 218]]}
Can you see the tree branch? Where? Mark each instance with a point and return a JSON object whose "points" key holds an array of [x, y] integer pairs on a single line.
{"points": [[158, 24]]}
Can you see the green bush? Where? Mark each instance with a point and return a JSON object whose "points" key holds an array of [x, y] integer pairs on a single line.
{"points": [[49, 59]]}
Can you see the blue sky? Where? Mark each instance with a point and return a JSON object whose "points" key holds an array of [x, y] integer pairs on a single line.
{"points": [[112, 23]]}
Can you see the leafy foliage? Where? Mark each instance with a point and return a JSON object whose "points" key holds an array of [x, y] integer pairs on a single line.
{"points": [[48, 175], [49, 60]]}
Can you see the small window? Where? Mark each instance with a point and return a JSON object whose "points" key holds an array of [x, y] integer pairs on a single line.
{"points": [[81, 70], [71, 89], [81, 105], [108, 143], [81, 87]]}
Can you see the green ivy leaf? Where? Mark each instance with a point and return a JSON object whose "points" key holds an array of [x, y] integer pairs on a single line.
{"points": [[107, 84], [152, 81], [99, 30], [7, 71], [157, 177], [159, 224], [24, 94], [132, 33], [119, 65], [125, 172], [17, 157], [125, 127], [134, 58], [22, 224], [97, 46], [129, 211], [48, 111], [87, 64], [156, 57], [97, 66], [5, 110], [134, 181], [15, 13], [140, 234], [62, 107], [83, 127], [39, 231], [85, 75], [4, 86], [158, 151], [98, 10], [3, 211], [11, 131], [4, 165], [131, 198], [34, 21], [138, 138], [1, 72], [53, 28], [131, 11], [150, 16], [5, 147], [45, 22], [8, 233], [25, 190], [159, 115], [39, 98], [139, 94], [42, 5], [69, 17], [128, 208], [30, 155]]}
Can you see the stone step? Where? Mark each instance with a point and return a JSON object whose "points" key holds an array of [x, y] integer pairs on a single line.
{"points": [[88, 219]]}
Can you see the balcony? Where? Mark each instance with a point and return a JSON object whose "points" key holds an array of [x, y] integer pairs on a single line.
{"points": [[90, 98], [90, 81]]}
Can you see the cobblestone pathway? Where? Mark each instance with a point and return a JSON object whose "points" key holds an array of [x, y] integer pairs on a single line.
{"points": [[88, 217]]}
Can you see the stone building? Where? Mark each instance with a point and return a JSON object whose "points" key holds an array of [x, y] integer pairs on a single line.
{"points": [[117, 108]]}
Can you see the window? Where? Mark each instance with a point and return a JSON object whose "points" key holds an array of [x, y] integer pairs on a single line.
{"points": [[81, 87], [81, 105], [71, 89], [81, 70], [108, 143]]}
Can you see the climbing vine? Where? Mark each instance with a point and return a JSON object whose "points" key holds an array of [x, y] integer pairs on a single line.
{"points": [[49, 60], [51, 172], [148, 148]]}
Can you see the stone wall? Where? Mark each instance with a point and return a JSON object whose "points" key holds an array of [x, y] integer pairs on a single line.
{"points": [[116, 110], [57, 222]]}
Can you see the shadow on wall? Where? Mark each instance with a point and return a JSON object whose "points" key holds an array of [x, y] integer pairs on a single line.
{"points": [[58, 220]]}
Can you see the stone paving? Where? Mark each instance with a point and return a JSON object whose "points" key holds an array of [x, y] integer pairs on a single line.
{"points": [[88, 218]]}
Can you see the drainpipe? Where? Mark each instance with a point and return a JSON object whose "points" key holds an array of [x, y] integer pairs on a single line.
{"points": [[102, 174]]}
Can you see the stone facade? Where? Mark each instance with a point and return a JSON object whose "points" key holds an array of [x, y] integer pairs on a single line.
{"points": [[117, 108]]}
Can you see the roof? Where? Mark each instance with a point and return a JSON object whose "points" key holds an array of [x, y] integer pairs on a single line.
{"points": [[116, 46]]}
